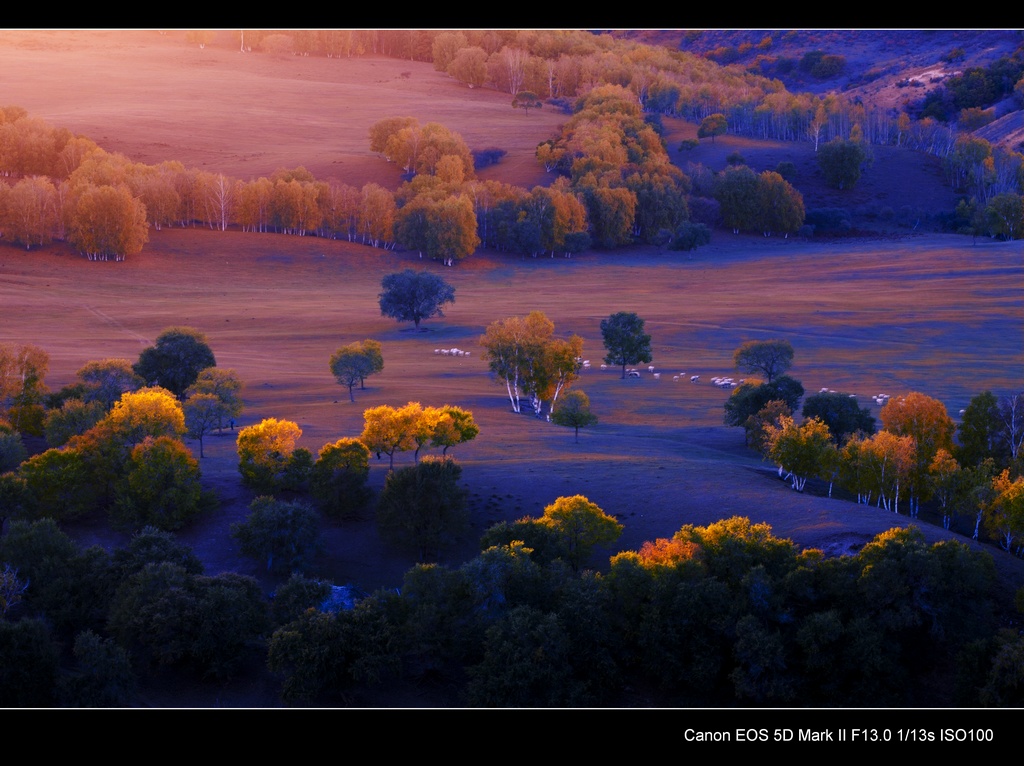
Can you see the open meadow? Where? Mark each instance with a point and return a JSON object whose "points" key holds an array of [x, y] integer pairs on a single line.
{"points": [[938, 314], [932, 314]]}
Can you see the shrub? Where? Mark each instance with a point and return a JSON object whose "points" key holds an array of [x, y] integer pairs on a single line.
{"points": [[690, 236], [483, 158], [688, 143], [786, 169]]}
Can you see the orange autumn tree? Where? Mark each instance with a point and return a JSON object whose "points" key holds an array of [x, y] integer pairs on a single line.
{"points": [[926, 421]]}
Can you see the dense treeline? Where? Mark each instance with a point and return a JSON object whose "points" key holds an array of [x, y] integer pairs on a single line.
{"points": [[971, 472], [715, 616]]}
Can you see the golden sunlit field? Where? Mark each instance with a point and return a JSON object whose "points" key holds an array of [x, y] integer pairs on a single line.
{"points": [[932, 313]]}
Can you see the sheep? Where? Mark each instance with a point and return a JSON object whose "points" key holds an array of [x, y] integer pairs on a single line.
{"points": [[694, 378], [675, 377], [632, 373], [657, 375], [651, 368]]}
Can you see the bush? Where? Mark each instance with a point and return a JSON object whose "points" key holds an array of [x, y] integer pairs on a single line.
{"points": [[284, 534], [690, 236], [688, 143], [786, 169], [735, 158], [829, 219], [483, 158]]}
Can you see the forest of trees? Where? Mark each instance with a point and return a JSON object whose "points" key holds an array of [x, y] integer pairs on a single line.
{"points": [[616, 185]]}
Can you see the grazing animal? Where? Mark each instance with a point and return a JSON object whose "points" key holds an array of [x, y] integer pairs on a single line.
{"points": [[694, 378]]}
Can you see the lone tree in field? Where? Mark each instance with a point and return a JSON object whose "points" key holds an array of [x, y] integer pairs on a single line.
{"points": [[712, 125], [353, 363], [526, 100], [573, 411], [768, 357], [411, 296], [625, 339]]}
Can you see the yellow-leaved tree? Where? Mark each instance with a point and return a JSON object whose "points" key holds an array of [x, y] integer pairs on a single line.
{"points": [[265, 451]]}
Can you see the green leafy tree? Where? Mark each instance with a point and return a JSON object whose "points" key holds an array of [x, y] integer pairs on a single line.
{"points": [[72, 418], [840, 412], [354, 362], [1004, 215], [750, 398], [57, 484], [102, 675], [166, 616], [800, 449], [841, 161], [526, 100], [226, 386], [338, 479], [175, 360], [573, 411], [582, 525], [161, 486], [411, 296], [625, 340], [108, 379], [689, 236], [12, 450], [203, 413], [423, 507], [527, 662], [770, 358], [712, 125], [151, 545], [286, 535], [979, 431]]}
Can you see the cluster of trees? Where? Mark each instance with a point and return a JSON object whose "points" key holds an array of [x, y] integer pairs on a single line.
{"points": [[991, 180], [971, 472], [524, 356], [715, 615], [618, 164], [115, 436], [388, 430], [718, 615]]}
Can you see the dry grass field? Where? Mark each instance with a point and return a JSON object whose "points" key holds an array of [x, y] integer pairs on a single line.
{"points": [[926, 312]]}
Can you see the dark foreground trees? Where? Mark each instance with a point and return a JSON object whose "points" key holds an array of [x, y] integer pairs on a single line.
{"points": [[411, 296], [423, 507]]}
